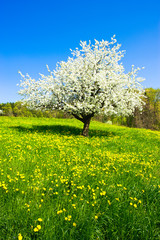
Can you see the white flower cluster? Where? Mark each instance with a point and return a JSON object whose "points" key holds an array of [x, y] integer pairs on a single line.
{"points": [[1, 112], [91, 81]]}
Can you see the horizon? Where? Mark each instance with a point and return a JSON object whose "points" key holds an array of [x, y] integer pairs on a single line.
{"points": [[37, 33]]}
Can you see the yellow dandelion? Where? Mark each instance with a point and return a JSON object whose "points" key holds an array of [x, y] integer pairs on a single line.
{"points": [[69, 218], [74, 224], [35, 229], [60, 211], [39, 227], [96, 217], [40, 219], [103, 193], [20, 236]]}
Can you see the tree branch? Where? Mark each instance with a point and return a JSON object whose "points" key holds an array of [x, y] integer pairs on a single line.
{"points": [[77, 117]]}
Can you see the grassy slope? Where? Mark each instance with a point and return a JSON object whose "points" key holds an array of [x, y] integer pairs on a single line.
{"points": [[106, 186]]}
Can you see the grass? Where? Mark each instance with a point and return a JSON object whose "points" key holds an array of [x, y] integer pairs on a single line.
{"points": [[56, 184]]}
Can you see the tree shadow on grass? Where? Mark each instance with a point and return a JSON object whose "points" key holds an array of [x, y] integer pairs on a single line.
{"points": [[63, 130]]}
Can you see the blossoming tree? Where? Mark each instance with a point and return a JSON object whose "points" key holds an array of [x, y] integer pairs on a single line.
{"points": [[90, 82]]}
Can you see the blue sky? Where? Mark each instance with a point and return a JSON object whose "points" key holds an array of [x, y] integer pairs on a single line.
{"points": [[35, 33]]}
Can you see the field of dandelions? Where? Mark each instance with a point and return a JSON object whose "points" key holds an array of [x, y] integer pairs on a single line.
{"points": [[56, 184]]}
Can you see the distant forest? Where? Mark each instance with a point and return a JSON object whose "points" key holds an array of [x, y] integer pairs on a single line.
{"points": [[149, 118]]}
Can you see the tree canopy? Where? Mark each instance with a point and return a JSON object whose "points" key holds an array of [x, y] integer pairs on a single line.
{"points": [[92, 81]]}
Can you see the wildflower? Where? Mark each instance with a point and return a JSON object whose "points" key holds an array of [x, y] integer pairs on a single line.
{"points": [[39, 227], [96, 217], [40, 219], [20, 236], [74, 224], [35, 229], [119, 185], [135, 205], [109, 202], [68, 218], [60, 211], [103, 193]]}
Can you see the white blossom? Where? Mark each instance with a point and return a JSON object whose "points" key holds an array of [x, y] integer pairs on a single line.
{"points": [[92, 81]]}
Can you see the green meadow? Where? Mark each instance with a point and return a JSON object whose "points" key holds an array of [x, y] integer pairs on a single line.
{"points": [[56, 184]]}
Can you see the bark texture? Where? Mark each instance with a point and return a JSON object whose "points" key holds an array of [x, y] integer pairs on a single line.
{"points": [[86, 119], [85, 131]]}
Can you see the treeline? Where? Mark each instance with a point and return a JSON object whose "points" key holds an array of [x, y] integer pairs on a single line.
{"points": [[18, 109], [149, 118]]}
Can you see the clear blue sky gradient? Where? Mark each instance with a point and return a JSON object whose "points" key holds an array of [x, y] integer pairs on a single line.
{"points": [[35, 33]]}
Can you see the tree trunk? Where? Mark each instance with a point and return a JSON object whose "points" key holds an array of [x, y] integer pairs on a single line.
{"points": [[86, 120], [85, 130]]}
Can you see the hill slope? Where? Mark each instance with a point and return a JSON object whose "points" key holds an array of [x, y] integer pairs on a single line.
{"points": [[56, 184]]}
